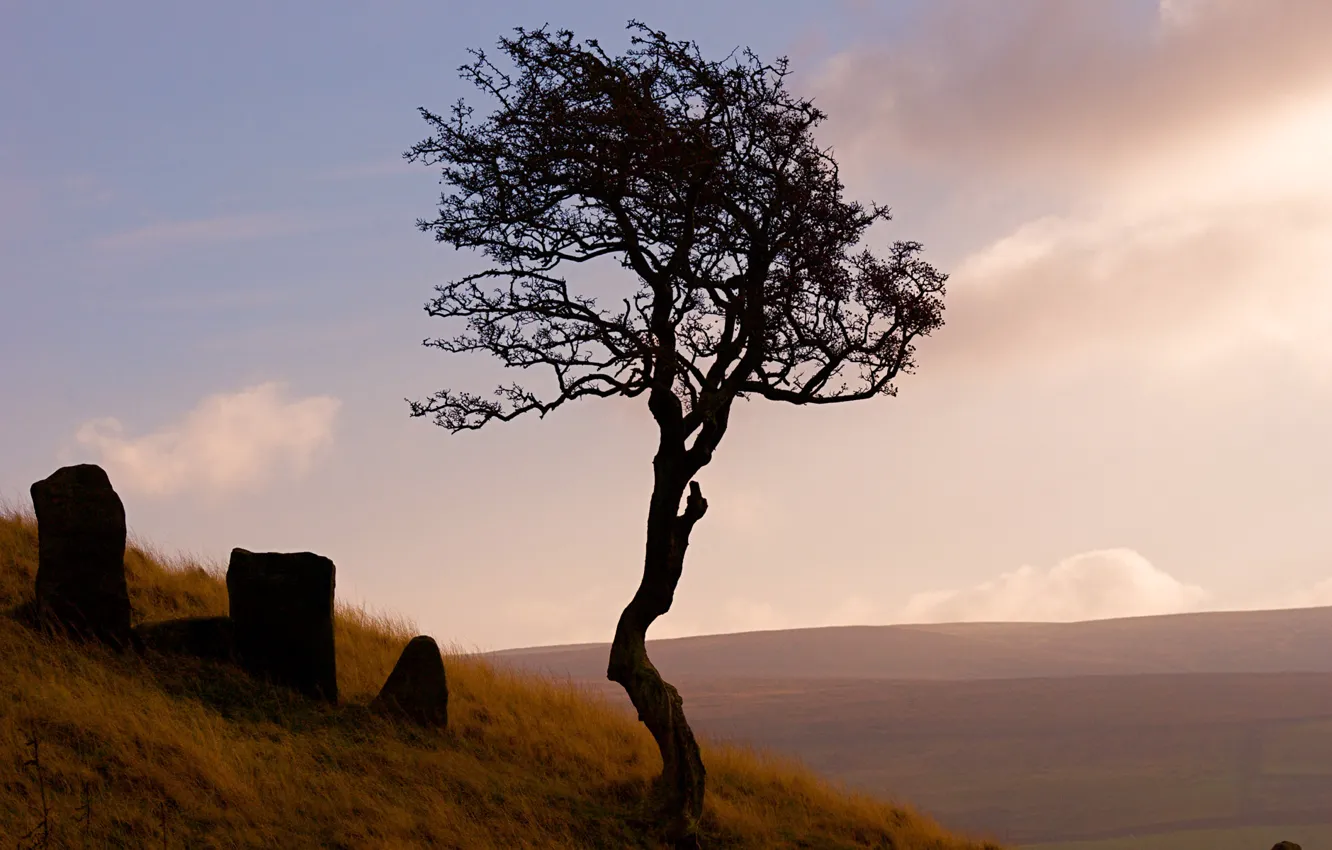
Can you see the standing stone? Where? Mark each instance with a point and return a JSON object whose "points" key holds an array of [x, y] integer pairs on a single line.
{"points": [[81, 554], [417, 688], [282, 619]]}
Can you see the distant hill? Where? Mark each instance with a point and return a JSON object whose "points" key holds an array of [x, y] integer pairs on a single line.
{"points": [[1056, 759], [1171, 729], [1296, 640]]}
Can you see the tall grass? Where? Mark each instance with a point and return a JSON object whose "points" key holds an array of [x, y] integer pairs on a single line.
{"points": [[136, 750]]}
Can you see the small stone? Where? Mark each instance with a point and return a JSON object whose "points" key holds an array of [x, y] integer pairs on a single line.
{"points": [[417, 689], [281, 606], [81, 554], [1286, 845], [212, 638]]}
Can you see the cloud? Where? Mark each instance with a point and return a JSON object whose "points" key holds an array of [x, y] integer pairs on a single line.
{"points": [[1170, 287], [1177, 165], [1058, 90], [1090, 586], [219, 229], [228, 442]]}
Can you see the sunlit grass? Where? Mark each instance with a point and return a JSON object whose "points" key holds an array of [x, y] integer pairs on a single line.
{"points": [[224, 761]]}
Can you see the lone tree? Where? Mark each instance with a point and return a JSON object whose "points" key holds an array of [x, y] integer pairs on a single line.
{"points": [[746, 280]]}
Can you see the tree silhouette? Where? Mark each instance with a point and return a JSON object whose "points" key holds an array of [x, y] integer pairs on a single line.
{"points": [[702, 178]]}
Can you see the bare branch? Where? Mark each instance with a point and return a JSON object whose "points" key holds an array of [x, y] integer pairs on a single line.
{"points": [[703, 179]]}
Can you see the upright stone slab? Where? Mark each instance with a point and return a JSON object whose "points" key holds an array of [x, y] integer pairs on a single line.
{"points": [[81, 554], [417, 688], [282, 618]]}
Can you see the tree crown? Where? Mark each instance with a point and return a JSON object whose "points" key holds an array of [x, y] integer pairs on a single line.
{"points": [[704, 180]]}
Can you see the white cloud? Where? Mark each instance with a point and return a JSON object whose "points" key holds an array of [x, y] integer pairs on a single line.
{"points": [[1174, 286], [229, 441], [1054, 92], [1090, 586], [1181, 170]]}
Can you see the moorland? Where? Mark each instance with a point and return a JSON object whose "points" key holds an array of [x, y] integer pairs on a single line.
{"points": [[1208, 730], [125, 749]]}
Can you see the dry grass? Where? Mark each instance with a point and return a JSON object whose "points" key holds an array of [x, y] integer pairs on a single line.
{"points": [[213, 759]]}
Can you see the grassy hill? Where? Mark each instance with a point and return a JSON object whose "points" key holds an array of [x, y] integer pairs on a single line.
{"points": [[140, 751]]}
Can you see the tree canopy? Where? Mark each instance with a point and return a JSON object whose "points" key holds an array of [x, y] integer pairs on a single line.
{"points": [[703, 178]]}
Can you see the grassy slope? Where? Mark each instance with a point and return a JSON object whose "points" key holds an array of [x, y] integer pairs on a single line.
{"points": [[213, 759]]}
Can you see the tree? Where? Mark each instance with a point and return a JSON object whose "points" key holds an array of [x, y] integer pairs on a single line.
{"points": [[704, 180]]}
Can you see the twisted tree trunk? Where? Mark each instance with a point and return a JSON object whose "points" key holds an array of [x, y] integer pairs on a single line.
{"points": [[680, 786]]}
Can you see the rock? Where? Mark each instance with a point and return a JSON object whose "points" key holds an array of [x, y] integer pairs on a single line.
{"points": [[212, 638], [81, 554], [1286, 845], [417, 688], [282, 616]]}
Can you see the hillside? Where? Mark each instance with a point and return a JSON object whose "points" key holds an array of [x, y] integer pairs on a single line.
{"points": [[137, 751]]}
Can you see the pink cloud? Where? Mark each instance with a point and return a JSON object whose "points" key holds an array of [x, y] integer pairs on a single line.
{"points": [[1182, 167], [228, 442]]}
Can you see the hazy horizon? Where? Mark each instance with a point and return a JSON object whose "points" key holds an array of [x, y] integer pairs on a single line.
{"points": [[920, 625], [212, 286]]}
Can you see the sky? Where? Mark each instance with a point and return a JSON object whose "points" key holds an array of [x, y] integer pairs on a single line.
{"points": [[211, 284]]}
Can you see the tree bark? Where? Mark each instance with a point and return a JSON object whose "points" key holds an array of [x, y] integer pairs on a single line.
{"points": [[681, 784]]}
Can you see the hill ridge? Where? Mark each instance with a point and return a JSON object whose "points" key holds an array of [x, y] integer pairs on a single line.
{"points": [[1277, 640]]}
